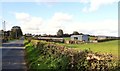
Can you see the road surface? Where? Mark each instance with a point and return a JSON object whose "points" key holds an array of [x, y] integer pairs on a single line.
{"points": [[13, 56]]}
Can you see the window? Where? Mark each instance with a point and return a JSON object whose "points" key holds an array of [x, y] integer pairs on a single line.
{"points": [[75, 38]]}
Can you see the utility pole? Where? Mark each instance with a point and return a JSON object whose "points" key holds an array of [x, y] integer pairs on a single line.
{"points": [[4, 29], [4, 25]]}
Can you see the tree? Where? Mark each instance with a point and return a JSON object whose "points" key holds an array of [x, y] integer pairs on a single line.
{"points": [[66, 35], [60, 33], [75, 33], [16, 32]]}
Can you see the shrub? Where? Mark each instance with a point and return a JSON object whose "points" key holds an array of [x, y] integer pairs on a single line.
{"points": [[48, 55]]}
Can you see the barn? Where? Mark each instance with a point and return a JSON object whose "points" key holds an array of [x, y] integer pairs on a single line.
{"points": [[84, 38]]}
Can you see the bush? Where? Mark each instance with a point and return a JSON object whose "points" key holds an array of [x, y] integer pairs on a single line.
{"points": [[104, 40], [48, 55]]}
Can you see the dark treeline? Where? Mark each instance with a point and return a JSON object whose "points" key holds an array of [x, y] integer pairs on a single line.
{"points": [[14, 33]]}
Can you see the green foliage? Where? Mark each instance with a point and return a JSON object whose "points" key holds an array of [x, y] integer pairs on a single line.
{"points": [[16, 32], [50, 56], [75, 33], [26, 42], [60, 33]]}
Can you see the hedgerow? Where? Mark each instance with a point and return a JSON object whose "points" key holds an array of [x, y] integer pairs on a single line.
{"points": [[43, 55]]}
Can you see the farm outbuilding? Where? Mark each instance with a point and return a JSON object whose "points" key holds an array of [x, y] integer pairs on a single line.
{"points": [[101, 37], [84, 38], [52, 39]]}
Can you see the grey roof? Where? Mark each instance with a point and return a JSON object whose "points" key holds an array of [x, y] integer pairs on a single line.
{"points": [[50, 38], [78, 35]]}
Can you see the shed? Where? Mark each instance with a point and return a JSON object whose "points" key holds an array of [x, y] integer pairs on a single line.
{"points": [[84, 38], [101, 37]]}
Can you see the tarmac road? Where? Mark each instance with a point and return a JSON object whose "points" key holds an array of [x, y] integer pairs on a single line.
{"points": [[13, 56]]}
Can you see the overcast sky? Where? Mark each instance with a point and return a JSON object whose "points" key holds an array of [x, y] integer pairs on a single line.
{"points": [[97, 17]]}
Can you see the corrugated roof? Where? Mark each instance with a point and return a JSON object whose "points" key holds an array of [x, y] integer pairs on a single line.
{"points": [[50, 38], [78, 35]]}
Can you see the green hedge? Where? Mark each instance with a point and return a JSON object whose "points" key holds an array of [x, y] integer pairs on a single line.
{"points": [[49, 56], [104, 40]]}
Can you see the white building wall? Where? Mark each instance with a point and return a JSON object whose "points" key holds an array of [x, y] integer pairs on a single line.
{"points": [[80, 37]]}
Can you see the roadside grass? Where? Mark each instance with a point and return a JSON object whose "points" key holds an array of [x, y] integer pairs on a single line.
{"points": [[38, 61], [32, 54]]}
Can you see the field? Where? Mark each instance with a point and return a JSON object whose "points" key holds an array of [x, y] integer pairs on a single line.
{"points": [[102, 47], [50, 55]]}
